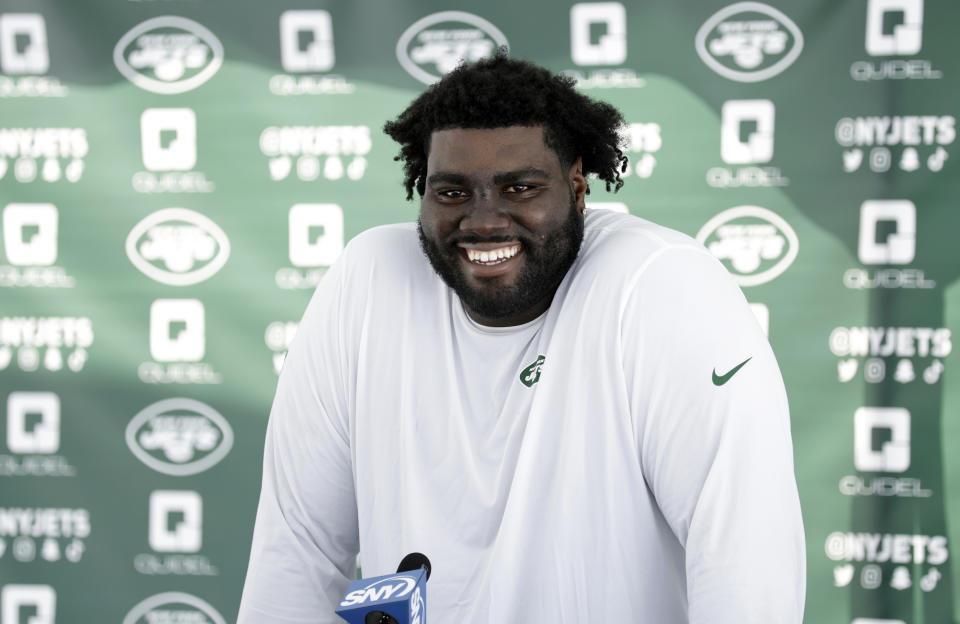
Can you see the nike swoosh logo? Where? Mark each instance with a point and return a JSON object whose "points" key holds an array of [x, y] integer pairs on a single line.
{"points": [[719, 380]]}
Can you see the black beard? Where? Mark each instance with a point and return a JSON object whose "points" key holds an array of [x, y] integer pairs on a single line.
{"points": [[545, 267]]}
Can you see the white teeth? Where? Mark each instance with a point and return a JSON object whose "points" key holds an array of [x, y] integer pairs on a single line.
{"points": [[492, 256]]}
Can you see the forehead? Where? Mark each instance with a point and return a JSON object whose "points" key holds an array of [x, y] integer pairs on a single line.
{"points": [[466, 150]]}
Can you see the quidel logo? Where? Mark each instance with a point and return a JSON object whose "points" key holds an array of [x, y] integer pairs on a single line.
{"points": [[888, 236], [173, 607], [168, 142], [168, 139], [598, 38], [746, 138], [306, 45], [894, 28], [881, 443], [755, 244], [179, 437], [749, 42], [168, 54], [175, 536], [23, 44], [436, 44], [33, 422], [178, 247], [24, 53], [30, 244], [38, 600], [176, 521], [899, 246], [746, 131], [33, 437], [893, 455], [177, 344], [609, 48], [316, 53], [177, 330], [316, 241], [905, 34], [30, 234]]}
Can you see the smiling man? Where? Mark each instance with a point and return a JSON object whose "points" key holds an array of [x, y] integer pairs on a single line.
{"points": [[573, 413]]}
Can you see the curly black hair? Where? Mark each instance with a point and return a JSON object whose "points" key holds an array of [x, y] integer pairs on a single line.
{"points": [[499, 92]]}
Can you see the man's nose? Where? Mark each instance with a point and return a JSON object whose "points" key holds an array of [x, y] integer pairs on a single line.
{"points": [[487, 216]]}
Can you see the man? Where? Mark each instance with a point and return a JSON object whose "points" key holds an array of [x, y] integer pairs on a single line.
{"points": [[573, 414]]}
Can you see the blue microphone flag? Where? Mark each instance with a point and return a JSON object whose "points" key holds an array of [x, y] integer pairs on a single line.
{"points": [[402, 596]]}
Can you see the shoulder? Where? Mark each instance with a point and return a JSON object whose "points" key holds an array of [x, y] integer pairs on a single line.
{"points": [[383, 240], [628, 246], [383, 250]]}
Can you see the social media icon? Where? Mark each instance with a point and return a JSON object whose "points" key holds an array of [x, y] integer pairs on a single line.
{"points": [[746, 131], [904, 372], [176, 521], [30, 234], [897, 246], [871, 576], [306, 41], [316, 234], [23, 44], [610, 48], [880, 159], [168, 139], [33, 422], [842, 575], [894, 27], [901, 578], [177, 330], [928, 582], [852, 159], [874, 370], [892, 454], [847, 369]]}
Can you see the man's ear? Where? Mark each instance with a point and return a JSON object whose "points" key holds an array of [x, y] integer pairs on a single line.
{"points": [[578, 183]]}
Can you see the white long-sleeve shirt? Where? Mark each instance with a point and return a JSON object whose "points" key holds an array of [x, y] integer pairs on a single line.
{"points": [[627, 477]]}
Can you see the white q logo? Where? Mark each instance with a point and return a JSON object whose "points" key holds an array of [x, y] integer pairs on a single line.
{"points": [[611, 47]]}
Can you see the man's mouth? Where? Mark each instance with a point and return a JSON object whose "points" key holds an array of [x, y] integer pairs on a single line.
{"points": [[485, 255]]}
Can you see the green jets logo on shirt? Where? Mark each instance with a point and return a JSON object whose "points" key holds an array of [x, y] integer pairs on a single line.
{"points": [[531, 374]]}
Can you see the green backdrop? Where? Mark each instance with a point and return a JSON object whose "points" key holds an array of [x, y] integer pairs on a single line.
{"points": [[176, 175]]}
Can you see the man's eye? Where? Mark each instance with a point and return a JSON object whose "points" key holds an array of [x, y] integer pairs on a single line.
{"points": [[452, 194], [517, 188]]}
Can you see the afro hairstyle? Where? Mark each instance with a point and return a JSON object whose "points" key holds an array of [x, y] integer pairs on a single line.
{"points": [[499, 92]]}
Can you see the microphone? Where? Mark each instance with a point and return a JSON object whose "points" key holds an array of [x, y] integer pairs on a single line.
{"points": [[399, 598]]}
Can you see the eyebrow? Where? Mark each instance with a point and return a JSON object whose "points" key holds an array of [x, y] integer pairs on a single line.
{"points": [[445, 177], [448, 177], [520, 174]]}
